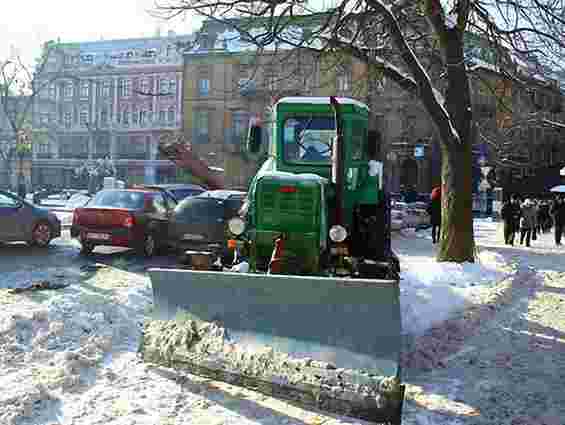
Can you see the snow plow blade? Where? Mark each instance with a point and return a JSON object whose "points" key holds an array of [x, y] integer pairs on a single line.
{"points": [[328, 343]]}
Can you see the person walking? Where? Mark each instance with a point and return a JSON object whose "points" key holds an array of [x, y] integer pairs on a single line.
{"points": [[527, 222], [558, 213], [434, 210], [535, 218], [507, 214]]}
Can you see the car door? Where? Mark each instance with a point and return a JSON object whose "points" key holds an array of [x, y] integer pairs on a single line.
{"points": [[10, 226]]}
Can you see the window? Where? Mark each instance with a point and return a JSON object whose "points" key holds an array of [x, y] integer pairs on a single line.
{"points": [[104, 116], [106, 85], [84, 89], [204, 87], [343, 82], [240, 124], [162, 115], [43, 148], [68, 90], [52, 91], [43, 119], [68, 60], [83, 117], [142, 117], [68, 119], [171, 117], [119, 199], [272, 83], [201, 126], [144, 85], [308, 139], [173, 86], [125, 116], [164, 86], [124, 87]]}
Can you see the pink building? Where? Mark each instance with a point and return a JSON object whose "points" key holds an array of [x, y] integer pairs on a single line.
{"points": [[108, 98]]}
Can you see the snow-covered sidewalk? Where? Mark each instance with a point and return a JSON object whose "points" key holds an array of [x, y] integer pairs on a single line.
{"points": [[69, 356]]}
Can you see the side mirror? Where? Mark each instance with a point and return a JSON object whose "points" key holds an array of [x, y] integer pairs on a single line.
{"points": [[254, 139]]}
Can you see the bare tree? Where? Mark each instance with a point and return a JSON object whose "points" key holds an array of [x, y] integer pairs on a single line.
{"points": [[420, 47], [19, 87]]}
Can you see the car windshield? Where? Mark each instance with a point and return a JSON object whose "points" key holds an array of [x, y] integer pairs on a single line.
{"points": [[180, 194], [308, 139], [118, 199]]}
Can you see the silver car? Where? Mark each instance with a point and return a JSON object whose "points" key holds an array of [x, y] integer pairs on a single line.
{"points": [[23, 221]]}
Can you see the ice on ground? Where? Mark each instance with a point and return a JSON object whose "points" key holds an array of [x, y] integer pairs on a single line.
{"points": [[69, 356]]}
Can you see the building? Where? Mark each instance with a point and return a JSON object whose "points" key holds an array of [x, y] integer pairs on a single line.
{"points": [[107, 98], [225, 84]]}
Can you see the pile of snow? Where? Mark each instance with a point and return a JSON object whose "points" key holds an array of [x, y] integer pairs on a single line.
{"points": [[431, 291], [54, 349]]}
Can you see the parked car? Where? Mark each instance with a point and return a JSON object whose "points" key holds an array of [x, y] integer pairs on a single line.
{"points": [[200, 222], [177, 191], [410, 215], [23, 221], [131, 218]]}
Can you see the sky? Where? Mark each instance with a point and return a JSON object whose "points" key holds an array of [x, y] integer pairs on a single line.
{"points": [[26, 25]]}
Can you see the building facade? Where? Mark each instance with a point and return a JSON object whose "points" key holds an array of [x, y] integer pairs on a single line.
{"points": [[107, 99], [226, 83]]}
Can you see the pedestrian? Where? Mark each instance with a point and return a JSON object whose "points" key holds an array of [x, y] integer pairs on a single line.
{"points": [[558, 213], [434, 210], [535, 218], [527, 222], [507, 214], [544, 217]]}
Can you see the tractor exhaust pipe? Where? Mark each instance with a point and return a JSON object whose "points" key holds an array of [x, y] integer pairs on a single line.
{"points": [[338, 162]]}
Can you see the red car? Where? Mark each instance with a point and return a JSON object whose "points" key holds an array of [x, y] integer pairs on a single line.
{"points": [[131, 218]]}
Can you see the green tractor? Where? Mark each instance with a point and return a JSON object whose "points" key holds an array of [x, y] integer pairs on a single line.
{"points": [[317, 205], [316, 316]]}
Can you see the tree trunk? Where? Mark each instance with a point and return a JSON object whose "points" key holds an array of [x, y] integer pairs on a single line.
{"points": [[457, 242]]}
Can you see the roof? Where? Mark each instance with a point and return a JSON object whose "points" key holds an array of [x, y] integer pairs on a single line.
{"points": [[322, 101], [221, 194]]}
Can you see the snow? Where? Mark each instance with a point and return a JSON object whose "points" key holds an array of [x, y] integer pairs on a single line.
{"points": [[432, 292], [69, 356]]}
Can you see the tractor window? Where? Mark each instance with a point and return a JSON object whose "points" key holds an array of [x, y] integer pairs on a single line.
{"points": [[308, 139], [358, 141]]}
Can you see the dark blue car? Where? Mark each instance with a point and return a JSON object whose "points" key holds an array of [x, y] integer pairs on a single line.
{"points": [[23, 221]]}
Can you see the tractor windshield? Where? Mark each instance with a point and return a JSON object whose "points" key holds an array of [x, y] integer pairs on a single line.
{"points": [[308, 139]]}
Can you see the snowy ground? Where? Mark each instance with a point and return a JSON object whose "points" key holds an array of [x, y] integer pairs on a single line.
{"points": [[68, 356]]}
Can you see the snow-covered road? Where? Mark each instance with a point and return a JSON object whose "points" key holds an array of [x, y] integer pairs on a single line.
{"points": [[69, 356]]}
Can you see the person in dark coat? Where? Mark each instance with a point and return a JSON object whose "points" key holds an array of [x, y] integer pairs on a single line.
{"points": [[558, 212], [507, 214], [434, 210], [527, 222]]}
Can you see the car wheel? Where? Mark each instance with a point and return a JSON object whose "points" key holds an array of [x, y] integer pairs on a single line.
{"points": [[41, 234], [149, 246]]}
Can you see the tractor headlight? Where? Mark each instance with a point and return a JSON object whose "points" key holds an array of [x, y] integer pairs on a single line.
{"points": [[338, 233], [236, 226]]}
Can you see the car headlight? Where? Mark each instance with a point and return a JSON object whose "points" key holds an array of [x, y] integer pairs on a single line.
{"points": [[338, 233], [236, 226]]}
